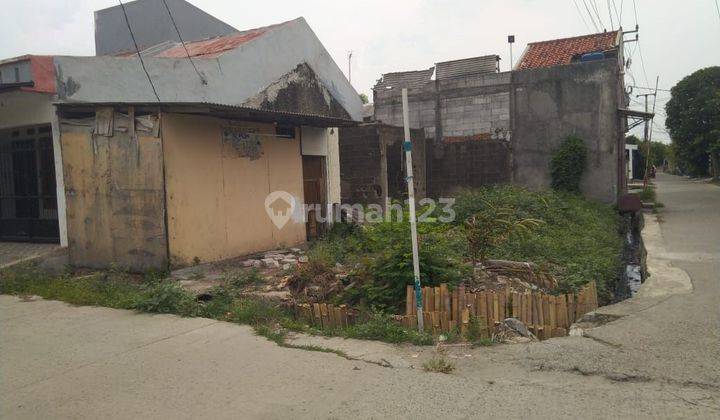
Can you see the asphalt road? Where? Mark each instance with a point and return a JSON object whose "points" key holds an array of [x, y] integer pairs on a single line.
{"points": [[659, 359]]}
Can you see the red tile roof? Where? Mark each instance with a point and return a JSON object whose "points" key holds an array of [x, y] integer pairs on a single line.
{"points": [[557, 52]]}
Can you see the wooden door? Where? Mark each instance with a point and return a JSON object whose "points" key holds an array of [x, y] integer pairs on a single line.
{"points": [[314, 185]]}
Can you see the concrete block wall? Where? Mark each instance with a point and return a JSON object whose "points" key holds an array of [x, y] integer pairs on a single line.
{"points": [[362, 177], [553, 103]]}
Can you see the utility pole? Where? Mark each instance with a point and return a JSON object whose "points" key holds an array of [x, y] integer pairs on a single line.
{"points": [[350, 66], [511, 41], [646, 136], [407, 145]]}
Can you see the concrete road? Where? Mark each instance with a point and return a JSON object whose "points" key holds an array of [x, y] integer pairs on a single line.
{"points": [[658, 359]]}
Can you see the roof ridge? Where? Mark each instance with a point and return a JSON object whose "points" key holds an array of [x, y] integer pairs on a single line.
{"points": [[575, 37]]}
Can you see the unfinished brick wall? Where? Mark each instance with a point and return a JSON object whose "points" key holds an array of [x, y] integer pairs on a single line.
{"points": [[361, 171], [466, 164], [372, 163]]}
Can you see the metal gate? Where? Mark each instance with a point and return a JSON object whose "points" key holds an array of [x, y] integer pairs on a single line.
{"points": [[28, 196]]}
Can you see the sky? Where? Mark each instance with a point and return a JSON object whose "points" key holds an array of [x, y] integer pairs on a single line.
{"points": [[676, 38]]}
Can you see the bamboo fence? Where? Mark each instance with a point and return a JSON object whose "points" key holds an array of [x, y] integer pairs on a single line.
{"points": [[545, 315], [443, 310]]}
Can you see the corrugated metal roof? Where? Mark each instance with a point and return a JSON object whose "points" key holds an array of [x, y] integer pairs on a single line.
{"points": [[558, 52], [206, 48], [467, 66], [405, 79], [221, 110]]}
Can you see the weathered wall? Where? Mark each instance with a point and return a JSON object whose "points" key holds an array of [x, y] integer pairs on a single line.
{"points": [[467, 164], [19, 109], [362, 169], [553, 103], [216, 198], [372, 163], [115, 201], [260, 62]]}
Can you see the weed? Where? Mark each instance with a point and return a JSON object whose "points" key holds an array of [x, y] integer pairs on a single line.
{"points": [[382, 327], [439, 365], [166, 298], [243, 278], [568, 164]]}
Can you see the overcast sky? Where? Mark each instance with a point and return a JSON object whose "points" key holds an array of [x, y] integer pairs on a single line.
{"points": [[676, 38]]}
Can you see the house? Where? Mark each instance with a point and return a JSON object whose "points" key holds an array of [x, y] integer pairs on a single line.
{"points": [[485, 127], [167, 155]]}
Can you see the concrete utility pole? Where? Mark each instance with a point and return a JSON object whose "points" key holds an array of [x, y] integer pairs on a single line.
{"points": [[407, 145], [646, 137]]}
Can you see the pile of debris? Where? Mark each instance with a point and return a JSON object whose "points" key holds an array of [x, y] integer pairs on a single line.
{"points": [[282, 258], [495, 275]]}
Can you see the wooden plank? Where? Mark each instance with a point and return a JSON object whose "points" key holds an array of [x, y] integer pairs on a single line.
{"points": [[541, 309], [338, 317], [571, 308], [496, 308], [455, 303], [331, 315], [436, 321], [445, 294], [408, 300], [438, 299], [317, 315], [465, 316], [461, 300], [324, 315], [344, 315], [471, 303], [482, 307], [444, 321], [553, 312]]}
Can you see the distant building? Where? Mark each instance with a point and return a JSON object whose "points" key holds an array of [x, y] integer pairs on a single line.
{"points": [[486, 126], [172, 166]]}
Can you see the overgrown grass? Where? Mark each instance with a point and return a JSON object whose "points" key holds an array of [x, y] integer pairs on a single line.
{"points": [[114, 289], [578, 242]]}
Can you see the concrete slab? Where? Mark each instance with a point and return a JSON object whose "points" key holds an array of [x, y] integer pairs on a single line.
{"points": [[16, 252]]}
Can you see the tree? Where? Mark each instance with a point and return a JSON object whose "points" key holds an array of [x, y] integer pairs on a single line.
{"points": [[364, 98], [693, 121]]}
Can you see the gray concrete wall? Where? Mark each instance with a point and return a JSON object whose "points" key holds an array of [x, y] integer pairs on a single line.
{"points": [[552, 103]]}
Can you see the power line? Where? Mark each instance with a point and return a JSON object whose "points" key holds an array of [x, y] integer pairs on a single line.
{"points": [[612, 24], [592, 19], [142, 63], [649, 88], [597, 14], [202, 79], [581, 15], [717, 7], [617, 14]]}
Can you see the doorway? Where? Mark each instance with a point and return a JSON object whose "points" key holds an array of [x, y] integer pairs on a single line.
{"points": [[314, 186], [28, 195]]}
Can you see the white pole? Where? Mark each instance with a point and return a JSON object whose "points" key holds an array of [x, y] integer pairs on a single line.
{"points": [[407, 145]]}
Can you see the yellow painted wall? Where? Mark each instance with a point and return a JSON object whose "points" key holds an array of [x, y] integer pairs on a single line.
{"points": [[115, 203], [216, 199]]}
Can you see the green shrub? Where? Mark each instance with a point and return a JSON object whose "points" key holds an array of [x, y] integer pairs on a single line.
{"points": [[383, 328], [384, 266], [167, 298], [578, 242], [568, 164]]}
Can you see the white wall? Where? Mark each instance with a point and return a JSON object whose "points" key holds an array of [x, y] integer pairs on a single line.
{"points": [[325, 142], [20, 109]]}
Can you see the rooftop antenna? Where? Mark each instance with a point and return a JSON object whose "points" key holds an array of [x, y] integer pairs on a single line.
{"points": [[511, 41]]}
